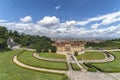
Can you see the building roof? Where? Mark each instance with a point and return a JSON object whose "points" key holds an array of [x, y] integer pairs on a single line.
{"points": [[64, 43]]}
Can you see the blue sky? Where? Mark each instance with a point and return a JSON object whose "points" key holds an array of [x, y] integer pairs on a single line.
{"points": [[62, 18]]}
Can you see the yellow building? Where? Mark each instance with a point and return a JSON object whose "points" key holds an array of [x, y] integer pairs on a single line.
{"points": [[64, 47]]}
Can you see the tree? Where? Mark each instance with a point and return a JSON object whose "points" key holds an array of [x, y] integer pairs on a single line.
{"points": [[2, 43], [3, 32], [76, 53], [38, 47], [16, 34], [41, 44], [53, 49], [3, 36]]}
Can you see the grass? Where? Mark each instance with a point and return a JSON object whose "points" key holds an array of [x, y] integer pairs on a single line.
{"points": [[88, 67], [53, 55], [10, 71], [75, 66], [91, 56], [84, 66], [106, 45], [4, 49], [27, 58], [113, 66]]}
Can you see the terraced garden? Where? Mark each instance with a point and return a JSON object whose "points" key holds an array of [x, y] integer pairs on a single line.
{"points": [[27, 58], [11, 71], [113, 66], [75, 66], [91, 56], [52, 55]]}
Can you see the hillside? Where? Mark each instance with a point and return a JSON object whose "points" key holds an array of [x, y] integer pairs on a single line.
{"points": [[41, 44], [110, 44]]}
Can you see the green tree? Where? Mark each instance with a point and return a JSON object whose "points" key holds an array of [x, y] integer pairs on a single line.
{"points": [[76, 53], [38, 46], [2, 43], [3, 32], [3, 37], [53, 49]]}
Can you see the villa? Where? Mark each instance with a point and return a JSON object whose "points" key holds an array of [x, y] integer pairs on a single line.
{"points": [[64, 47], [12, 45]]}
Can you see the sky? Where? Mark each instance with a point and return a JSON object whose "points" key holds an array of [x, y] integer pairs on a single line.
{"points": [[62, 18]]}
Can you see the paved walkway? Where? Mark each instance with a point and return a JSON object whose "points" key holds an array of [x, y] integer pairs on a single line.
{"points": [[15, 60], [105, 50], [69, 59], [36, 55], [77, 62], [109, 57], [77, 75]]}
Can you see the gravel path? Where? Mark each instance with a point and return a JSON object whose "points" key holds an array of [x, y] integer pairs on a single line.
{"points": [[77, 62], [36, 55], [108, 58], [77, 75], [105, 50], [15, 60]]}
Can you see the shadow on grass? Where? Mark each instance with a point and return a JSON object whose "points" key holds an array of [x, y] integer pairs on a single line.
{"points": [[5, 49]]}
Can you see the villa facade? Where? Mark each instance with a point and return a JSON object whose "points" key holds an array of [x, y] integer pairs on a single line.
{"points": [[12, 45], [64, 47]]}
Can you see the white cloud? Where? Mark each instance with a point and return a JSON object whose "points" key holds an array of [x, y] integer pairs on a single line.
{"points": [[3, 20], [52, 27], [57, 7], [106, 19], [95, 26], [26, 19], [110, 20], [48, 21], [68, 24]]}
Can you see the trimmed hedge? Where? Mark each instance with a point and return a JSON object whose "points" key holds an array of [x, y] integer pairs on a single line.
{"points": [[90, 67], [75, 66]]}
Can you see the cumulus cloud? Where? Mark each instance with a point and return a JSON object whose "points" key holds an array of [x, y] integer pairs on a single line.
{"points": [[57, 7], [68, 24], [51, 26], [95, 26], [3, 20], [26, 19], [48, 21]]}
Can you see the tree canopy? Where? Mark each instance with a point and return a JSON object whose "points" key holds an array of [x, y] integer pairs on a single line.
{"points": [[41, 44]]}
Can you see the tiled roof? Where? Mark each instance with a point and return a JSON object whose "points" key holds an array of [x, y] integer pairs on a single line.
{"points": [[68, 42]]}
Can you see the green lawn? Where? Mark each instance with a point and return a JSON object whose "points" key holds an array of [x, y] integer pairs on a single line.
{"points": [[75, 66], [105, 45], [11, 71], [113, 66], [117, 42], [84, 66], [91, 56], [28, 58], [53, 55]]}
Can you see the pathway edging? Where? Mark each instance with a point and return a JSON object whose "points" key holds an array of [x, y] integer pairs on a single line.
{"points": [[15, 60], [36, 55]]}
